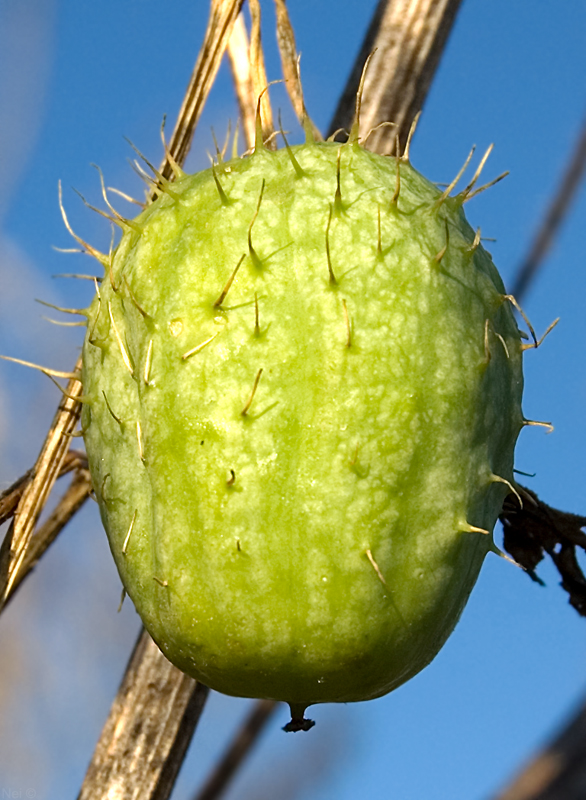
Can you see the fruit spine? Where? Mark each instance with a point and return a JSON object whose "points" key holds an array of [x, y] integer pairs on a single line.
{"points": [[303, 383]]}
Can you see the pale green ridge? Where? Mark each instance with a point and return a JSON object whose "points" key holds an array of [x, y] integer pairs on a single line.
{"points": [[313, 549]]}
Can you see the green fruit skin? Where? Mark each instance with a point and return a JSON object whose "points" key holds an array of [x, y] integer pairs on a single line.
{"points": [[317, 547]]}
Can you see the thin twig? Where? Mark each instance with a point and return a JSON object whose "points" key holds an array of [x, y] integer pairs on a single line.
{"points": [[554, 217], [237, 750], [10, 497], [74, 498], [238, 52], [407, 38], [48, 465], [558, 772], [222, 17]]}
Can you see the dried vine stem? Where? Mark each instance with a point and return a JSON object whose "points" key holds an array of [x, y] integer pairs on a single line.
{"points": [[409, 37], [237, 750], [223, 15], [47, 467], [73, 499], [554, 217], [249, 77], [148, 730], [10, 498], [558, 772], [258, 74], [239, 53], [289, 58], [290, 65]]}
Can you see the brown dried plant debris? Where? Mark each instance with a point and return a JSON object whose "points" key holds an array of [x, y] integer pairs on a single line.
{"points": [[537, 529]]}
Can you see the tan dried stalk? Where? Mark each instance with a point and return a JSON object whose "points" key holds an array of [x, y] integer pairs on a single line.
{"points": [[74, 498], [290, 64], [258, 75], [223, 14], [407, 39], [239, 53], [47, 467], [10, 498], [147, 732]]}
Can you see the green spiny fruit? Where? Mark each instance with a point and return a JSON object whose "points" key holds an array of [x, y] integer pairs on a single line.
{"points": [[304, 387]]}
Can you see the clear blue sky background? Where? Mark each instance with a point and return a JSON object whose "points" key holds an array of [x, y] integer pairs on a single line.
{"points": [[75, 77]]}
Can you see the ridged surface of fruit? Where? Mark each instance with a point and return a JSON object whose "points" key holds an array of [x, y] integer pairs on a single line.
{"points": [[290, 474]]}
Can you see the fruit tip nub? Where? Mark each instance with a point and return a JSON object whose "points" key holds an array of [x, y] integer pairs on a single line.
{"points": [[298, 720]]}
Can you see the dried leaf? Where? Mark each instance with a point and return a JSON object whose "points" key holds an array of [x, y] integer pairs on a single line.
{"points": [[537, 529]]}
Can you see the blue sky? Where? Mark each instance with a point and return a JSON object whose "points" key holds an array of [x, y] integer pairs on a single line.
{"points": [[75, 78]]}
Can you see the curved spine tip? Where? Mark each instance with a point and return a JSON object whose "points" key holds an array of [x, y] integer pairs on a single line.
{"points": [[498, 479], [354, 135], [229, 282], [412, 129], [86, 248], [45, 370]]}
